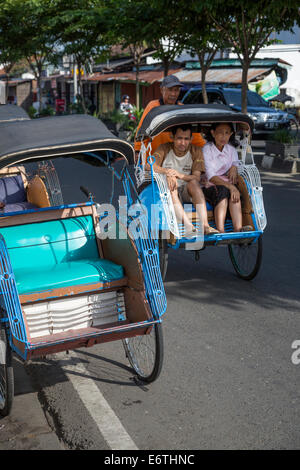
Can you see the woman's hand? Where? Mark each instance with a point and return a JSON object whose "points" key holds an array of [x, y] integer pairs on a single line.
{"points": [[234, 194], [232, 174]]}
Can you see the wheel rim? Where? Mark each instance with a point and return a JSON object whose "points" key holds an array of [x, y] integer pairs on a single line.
{"points": [[144, 353], [246, 258]]}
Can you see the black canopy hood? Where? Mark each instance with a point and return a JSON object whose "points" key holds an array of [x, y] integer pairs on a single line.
{"points": [[162, 117], [56, 136]]}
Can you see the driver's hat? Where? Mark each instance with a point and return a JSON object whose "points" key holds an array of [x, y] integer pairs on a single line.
{"points": [[169, 81]]}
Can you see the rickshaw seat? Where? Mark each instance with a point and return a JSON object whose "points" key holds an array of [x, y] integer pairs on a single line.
{"points": [[19, 195], [13, 194], [88, 271], [58, 253]]}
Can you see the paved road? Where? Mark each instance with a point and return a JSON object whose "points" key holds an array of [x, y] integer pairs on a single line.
{"points": [[228, 381]]}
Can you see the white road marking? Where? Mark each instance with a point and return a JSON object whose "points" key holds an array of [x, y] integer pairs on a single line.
{"points": [[108, 423]]}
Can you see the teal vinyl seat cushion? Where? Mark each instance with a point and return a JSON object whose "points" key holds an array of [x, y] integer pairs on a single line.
{"points": [[73, 273], [56, 254]]}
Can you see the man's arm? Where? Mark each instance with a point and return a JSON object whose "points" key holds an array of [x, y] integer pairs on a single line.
{"points": [[150, 105]]}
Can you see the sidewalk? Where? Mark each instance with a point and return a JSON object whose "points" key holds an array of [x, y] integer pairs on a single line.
{"points": [[26, 428], [275, 164]]}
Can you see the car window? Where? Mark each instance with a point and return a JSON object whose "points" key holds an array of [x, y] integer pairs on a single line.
{"points": [[254, 99], [215, 98], [194, 97], [233, 97]]}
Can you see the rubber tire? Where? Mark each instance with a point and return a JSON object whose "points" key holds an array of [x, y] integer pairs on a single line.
{"points": [[163, 257], [247, 276], [152, 375], [8, 375]]}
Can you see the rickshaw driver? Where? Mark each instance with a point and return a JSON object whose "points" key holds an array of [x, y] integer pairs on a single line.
{"points": [[170, 89], [183, 164]]}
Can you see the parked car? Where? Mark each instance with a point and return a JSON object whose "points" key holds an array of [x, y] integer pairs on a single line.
{"points": [[266, 118]]}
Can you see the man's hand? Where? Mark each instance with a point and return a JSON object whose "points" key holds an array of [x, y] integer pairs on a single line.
{"points": [[232, 174], [172, 182], [172, 173]]}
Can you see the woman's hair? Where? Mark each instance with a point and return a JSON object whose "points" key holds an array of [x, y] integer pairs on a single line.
{"points": [[183, 127], [213, 127]]}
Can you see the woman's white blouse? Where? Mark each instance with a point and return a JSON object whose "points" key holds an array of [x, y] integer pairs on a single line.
{"points": [[217, 163]]}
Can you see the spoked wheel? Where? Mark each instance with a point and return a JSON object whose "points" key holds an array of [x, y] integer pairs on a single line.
{"points": [[145, 353], [6, 374], [163, 257], [246, 258]]}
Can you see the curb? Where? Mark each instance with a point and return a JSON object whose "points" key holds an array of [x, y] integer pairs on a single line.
{"points": [[26, 428], [289, 165]]}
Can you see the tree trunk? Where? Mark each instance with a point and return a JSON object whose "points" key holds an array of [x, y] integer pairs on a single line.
{"points": [[39, 80], [201, 57], [7, 72], [203, 83], [245, 68], [166, 63]]}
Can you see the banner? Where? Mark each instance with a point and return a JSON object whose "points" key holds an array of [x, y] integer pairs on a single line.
{"points": [[267, 88]]}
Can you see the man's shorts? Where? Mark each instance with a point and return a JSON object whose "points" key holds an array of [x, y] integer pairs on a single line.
{"points": [[183, 194]]}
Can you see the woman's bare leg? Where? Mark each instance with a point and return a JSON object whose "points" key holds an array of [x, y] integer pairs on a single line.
{"points": [[220, 214], [199, 202], [235, 210]]}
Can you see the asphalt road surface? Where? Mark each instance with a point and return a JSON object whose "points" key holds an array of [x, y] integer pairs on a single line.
{"points": [[228, 380]]}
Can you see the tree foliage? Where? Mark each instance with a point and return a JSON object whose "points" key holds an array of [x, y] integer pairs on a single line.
{"points": [[26, 33], [42, 30], [247, 26]]}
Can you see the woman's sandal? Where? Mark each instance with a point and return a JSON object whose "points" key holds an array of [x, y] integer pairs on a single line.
{"points": [[247, 228], [210, 231]]}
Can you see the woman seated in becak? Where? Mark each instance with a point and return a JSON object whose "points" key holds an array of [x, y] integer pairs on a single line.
{"points": [[183, 164], [221, 162]]}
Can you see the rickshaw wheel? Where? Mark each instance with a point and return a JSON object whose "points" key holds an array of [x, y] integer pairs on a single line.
{"points": [[145, 353], [163, 257], [6, 374], [246, 258]]}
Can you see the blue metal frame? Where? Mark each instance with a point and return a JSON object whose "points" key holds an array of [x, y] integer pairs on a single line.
{"points": [[215, 239], [9, 300], [148, 251], [46, 209]]}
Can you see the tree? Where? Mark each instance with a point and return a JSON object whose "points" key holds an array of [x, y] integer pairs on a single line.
{"points": [[247, 27], [167, 49], [127, 20], [200, 37], [161, 33], [10, 54], [81, 30], [27, 34]]}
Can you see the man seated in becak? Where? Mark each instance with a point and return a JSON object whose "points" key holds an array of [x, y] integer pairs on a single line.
{"points": [[183, 164]]}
